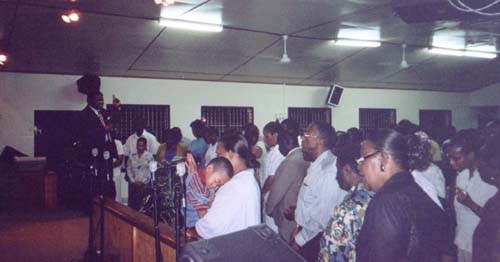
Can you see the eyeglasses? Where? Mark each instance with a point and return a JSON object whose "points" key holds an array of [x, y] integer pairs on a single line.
{"points": [[309, 135], [362, 159]]}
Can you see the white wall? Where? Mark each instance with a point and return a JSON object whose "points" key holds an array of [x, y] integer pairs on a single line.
{"points": [[21, 94]]}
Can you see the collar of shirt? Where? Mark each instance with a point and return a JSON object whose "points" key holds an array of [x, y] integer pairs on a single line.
{"points": [[324, 158], [96, 111], [293, 150], [144, 134]]}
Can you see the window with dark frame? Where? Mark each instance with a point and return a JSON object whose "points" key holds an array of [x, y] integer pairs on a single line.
{"points": [[157, 120], [371, 119], [305, 115], [227, 117]]}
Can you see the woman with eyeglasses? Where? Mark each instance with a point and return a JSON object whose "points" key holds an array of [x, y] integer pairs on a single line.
{"points": [[401, 223], [486, 239], [339, 238]]}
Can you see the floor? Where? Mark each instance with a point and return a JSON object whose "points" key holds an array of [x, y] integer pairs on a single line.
{"points": [[56, 235]]}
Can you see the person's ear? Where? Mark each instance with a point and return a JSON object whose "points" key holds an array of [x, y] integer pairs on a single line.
{"points": [[209, 169], [384, 161], [347, 170]]}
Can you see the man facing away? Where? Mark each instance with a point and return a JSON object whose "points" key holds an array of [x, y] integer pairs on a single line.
{"points": [[130, 146]]}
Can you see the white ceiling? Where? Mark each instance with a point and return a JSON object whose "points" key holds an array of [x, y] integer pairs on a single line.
{"points": [[123, 38]]}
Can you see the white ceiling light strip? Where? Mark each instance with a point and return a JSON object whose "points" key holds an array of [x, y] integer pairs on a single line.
{"points": [[190, 25], [452, 52]]}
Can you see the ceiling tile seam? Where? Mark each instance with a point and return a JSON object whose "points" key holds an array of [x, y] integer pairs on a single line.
{"points": [[251, 58], [145, 49], [171, 71], [333, 65], [195, 7]]}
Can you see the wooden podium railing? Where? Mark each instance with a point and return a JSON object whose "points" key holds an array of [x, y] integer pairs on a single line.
{"points": [[129, 235]]}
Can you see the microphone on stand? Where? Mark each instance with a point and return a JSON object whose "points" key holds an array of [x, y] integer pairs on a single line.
{"points": [[106, 156], [181, 171], [153, 166], [95, 152]]}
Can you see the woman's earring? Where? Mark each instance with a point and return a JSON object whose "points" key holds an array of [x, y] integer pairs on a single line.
{"points": [[382, 168]]}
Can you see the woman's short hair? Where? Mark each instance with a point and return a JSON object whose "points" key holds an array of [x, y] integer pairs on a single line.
{"points": [[468, 140]]}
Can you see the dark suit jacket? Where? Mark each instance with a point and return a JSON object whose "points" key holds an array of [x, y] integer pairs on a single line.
{"points": [[285, 190], [93, 135]]}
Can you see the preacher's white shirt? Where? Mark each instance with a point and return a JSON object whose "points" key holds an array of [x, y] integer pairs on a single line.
{"points": [[236, 207], [467, 221], [319, 194]]}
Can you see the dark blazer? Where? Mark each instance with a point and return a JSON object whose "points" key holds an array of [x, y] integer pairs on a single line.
{"points": [[402, 224], [92, 135]]}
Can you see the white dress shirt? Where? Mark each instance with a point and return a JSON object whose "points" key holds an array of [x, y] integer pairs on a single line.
{"points": [[435, 176], [130, 146], [426, 186], [119, 152], [319, 195], [467, 221], [236, 207], [271, 162], [211, 153]]}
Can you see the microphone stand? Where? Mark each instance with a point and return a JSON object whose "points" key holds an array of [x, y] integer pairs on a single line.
{"points": [[180, 205], [153, 166], [106, 157], [90, 255]]}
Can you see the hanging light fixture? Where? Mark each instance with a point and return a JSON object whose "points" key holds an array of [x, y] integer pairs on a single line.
{"points": [[164, 2], [71, 16]]}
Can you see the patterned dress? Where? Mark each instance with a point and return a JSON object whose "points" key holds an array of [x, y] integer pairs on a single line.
{"points": [[339, 238]]}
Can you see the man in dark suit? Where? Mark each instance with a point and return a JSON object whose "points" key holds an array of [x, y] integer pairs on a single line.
{"points": [[94, 133]]}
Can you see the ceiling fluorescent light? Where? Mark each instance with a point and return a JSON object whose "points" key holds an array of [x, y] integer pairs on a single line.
{"points": [[190, 25], [360, 43], [441, 51]]}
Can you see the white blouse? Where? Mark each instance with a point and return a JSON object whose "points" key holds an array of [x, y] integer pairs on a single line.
{"points": [[467, 221], [236, 207]]}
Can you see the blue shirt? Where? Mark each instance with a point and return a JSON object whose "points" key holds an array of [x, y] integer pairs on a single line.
{"points": [[198, 147]]}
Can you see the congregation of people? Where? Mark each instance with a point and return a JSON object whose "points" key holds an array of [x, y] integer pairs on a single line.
{"points": [[398, 194]]}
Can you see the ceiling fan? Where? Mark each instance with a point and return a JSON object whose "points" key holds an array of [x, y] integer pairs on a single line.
{"points": [[284, 58], [404, 64]]}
